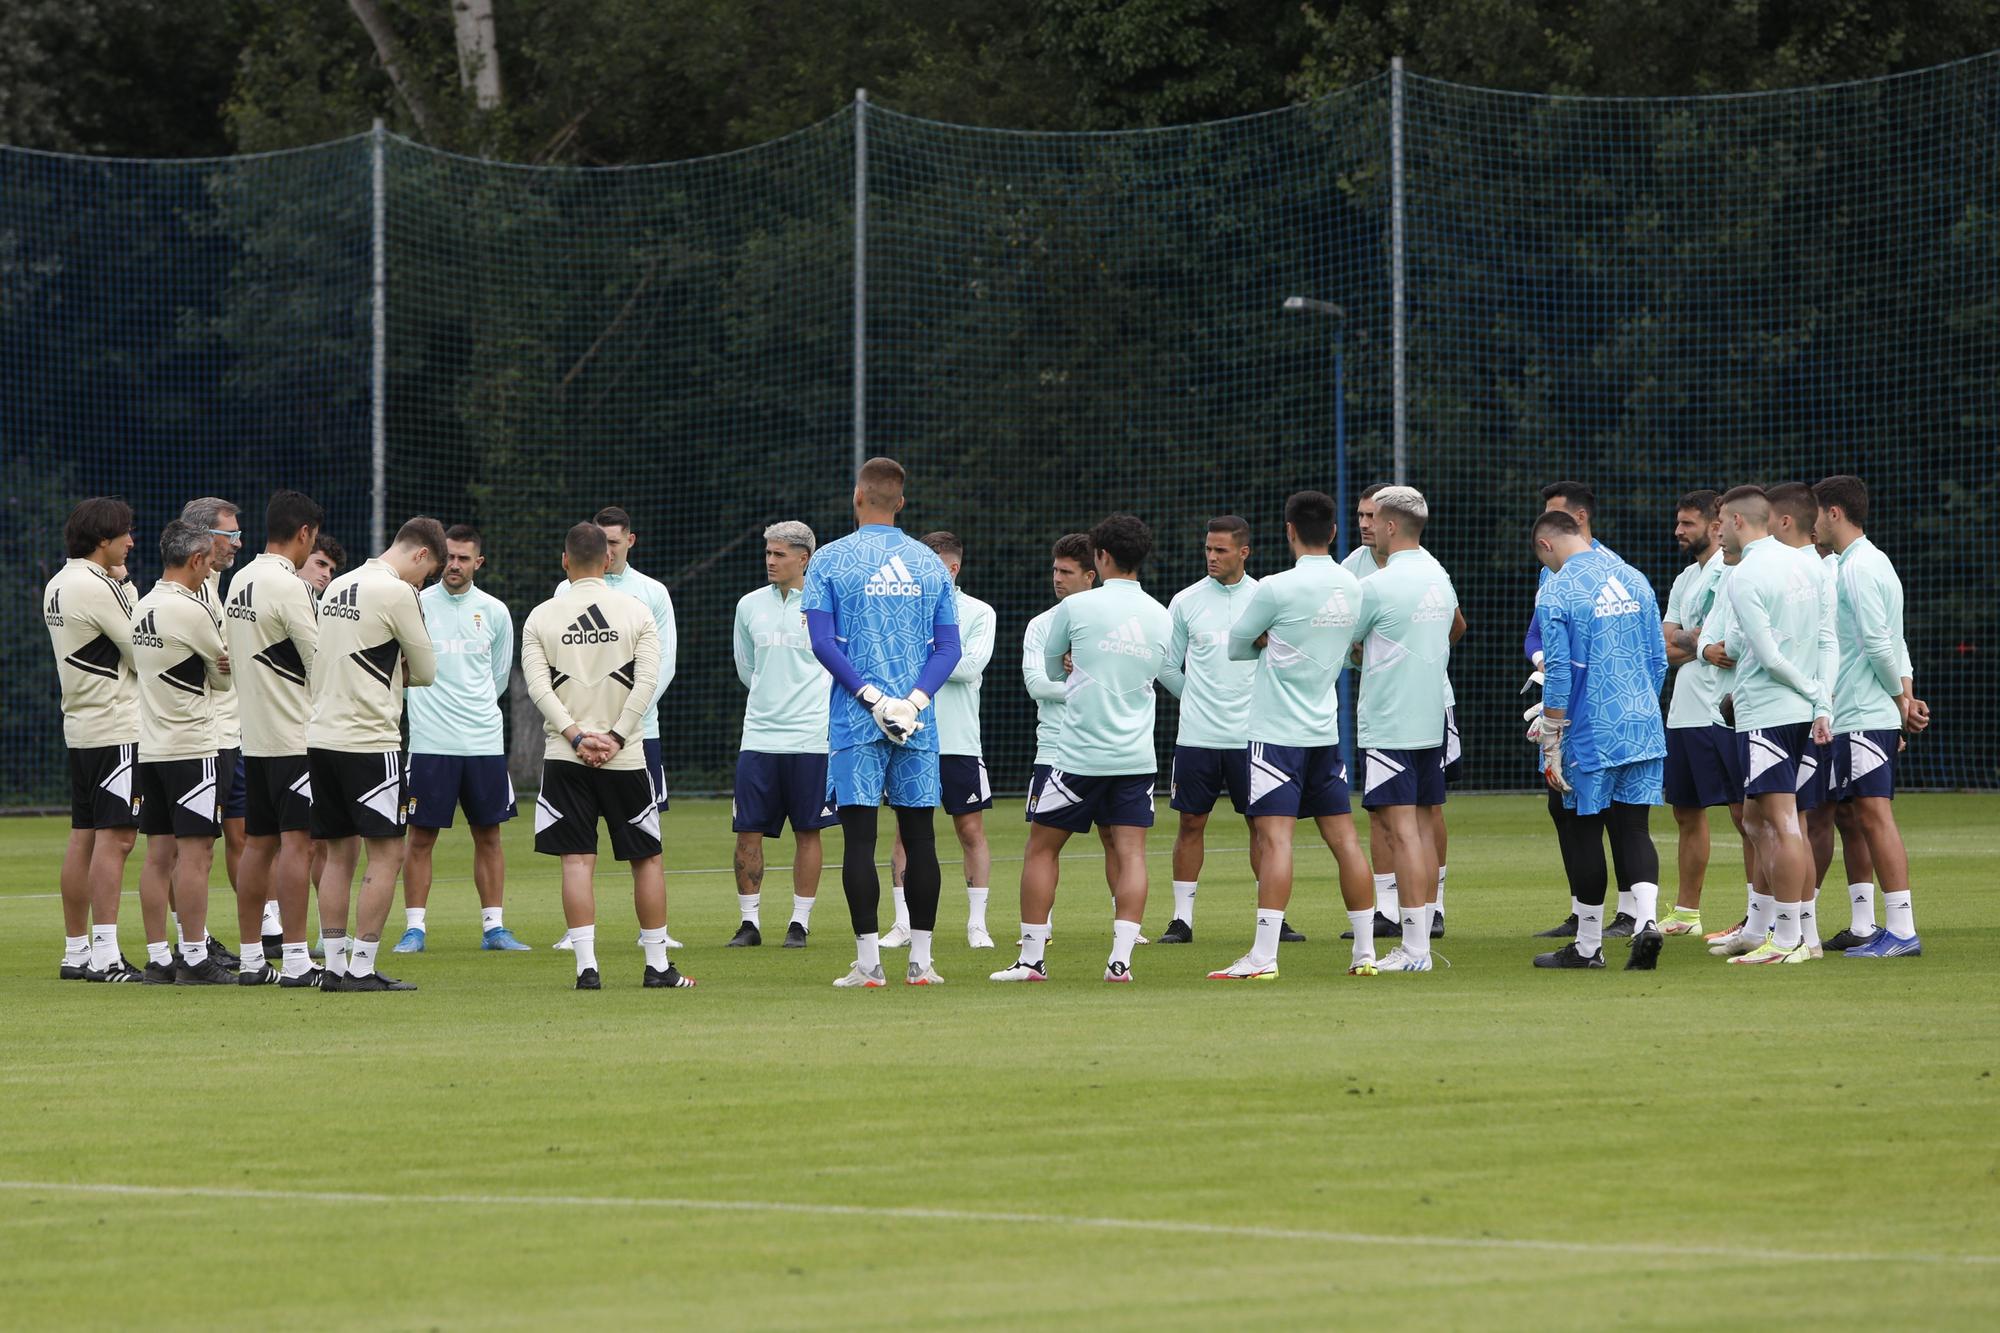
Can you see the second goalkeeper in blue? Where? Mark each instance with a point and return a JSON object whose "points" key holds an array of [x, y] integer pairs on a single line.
{"points": [[1603, 739], [1109, 645], [458, 754], [1301, 624], [879, 608]]}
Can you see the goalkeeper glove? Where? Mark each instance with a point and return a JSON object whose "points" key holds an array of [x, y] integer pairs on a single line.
{"points": [[1533, 717], [1534, 677], [896, 717], [1551, 741]]}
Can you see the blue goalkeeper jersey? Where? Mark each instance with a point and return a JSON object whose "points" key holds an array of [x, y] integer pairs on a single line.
{"points": [[1604, 660], [887, 594]]}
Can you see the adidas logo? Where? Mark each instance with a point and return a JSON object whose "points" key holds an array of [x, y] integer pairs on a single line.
{"points": [[590, 627], [1128, 640], [1335, 611], [239, 606], [52, 613], [147, 634], [343, 605], [1430, 607], [892, 580], [1614, 600], [1799, 587]]}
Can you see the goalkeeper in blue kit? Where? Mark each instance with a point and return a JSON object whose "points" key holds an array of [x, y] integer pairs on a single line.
{"points": [[879, 609], [1603, 740]]}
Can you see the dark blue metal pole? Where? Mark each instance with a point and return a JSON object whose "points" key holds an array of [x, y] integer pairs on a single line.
{"points": [[1345, 518]]}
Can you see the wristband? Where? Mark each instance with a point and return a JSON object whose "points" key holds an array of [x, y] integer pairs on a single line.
{"points": [[616, 737]]}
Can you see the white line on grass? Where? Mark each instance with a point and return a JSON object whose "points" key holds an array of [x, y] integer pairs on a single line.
{"points": [[1151, 1225]]}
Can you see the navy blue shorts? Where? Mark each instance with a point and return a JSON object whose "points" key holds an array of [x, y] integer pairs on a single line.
{"points": [[1771, 758], [966, 789], [1075, 803], [1200, 777], [1454, 747], [1704, 767], [1299, 782], [440, 783], [1037, 775], [1864, 764], [1402, 777], [1815, 781], [772, 788], [229, 775], [656, 772]]}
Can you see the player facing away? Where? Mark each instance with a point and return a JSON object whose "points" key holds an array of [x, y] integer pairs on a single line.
{"points": [[1301, 623], [272, 630], [1211, 747], [884, 624], [182, 663], [590, 656], [1602, 738], [1408, 609], [968, 793], [87, 609], [372, 643], [1109, 645], [223, 523], [1701, 769], [458, 753], [1874, 702], [781, 763], [1778, 707]]}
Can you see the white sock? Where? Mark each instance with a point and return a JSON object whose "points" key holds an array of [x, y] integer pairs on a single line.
{"points": [[1438, 906], [1645, 906], [1809, 921], [802, 910], [1763, 908], [1785, 926], [195, 951], [902, 908], [1749, 900], [583, 939], [868, 949], [1576, 908], [1416, 931], [1124, 934], [1385, 895], [654, 942], [274, 921], [1861, 908], [157, 951], [975, 907], [491, 918], [253, 953], [1264, 946], [1897, 914], [76, 950], [1034, 942], [1626, 905], [103, 946], [1589, 929], [413, 918], [920, 949], [1362, 923], [1184, 899], [335, 949], [750, 907], [298, 960], [361, 957]]}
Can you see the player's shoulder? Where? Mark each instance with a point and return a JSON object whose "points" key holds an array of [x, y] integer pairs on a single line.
{"points": [[975, 607], [747, 603]]}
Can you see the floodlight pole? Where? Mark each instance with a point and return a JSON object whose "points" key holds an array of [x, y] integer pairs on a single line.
{"points": [[378, 361], [1327, 309], [860, 278]]}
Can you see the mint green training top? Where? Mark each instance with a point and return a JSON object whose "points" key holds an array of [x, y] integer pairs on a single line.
{"points": [[1310, 612]]}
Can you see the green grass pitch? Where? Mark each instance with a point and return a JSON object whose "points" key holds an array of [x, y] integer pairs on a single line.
{"points": [[1487, 1146]]}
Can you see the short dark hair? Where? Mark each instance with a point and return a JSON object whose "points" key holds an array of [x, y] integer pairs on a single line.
{"points": [[1125, 538], [1233, 524], [465, 532], [1739, 494], [945, 544], [328, 545], [586, 544], [1849, 493], [182, 541], [1575, 494], [1368, 491], [426, 533], [611, 516], [1796, 499], [1311, 515], [1751, 500], [1555, 523], [100, 519], [881, 481], [289, 511], [1074, 546], [1704, 502]]}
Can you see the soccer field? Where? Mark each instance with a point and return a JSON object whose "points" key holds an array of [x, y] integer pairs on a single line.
{"points": [[1485, 1146]]}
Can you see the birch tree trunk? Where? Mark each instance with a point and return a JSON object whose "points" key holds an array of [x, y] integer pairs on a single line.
{"points": [[478, 50]]}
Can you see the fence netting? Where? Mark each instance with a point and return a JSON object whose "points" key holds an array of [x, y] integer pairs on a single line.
{"points": [[1648, 295]]}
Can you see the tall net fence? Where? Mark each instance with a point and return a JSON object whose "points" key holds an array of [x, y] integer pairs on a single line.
{"points": [[1649, 295]]}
